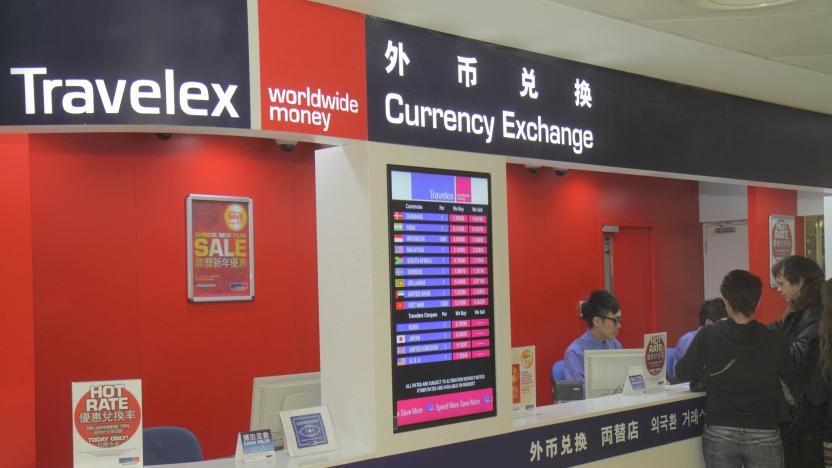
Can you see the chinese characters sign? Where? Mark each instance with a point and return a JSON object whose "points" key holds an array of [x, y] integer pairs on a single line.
{"points": [[220, 248], [571, 443], [426, 88], [443, 91], [781, 242], [441, 297], [107, 421]]}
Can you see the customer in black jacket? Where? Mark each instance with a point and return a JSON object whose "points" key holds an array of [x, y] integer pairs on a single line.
{"points": [[821, 387], [799, 281], [741, 361]]}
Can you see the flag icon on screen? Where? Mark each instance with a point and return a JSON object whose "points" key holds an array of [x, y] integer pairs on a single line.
{"points": [[398, 227], [400, 306], [399, 294], [400, 350], [398, 260], [401, 361], [398, 237], [397, 216], [400, 338], [399, 283], [398, 249]]}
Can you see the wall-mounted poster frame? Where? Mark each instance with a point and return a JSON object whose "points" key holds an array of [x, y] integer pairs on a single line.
{"points": [[220, 248], [781, 240]]}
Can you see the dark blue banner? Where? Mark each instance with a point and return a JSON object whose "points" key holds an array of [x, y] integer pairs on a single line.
{"points": [[159, 62], [565, 444], [436, 90]]}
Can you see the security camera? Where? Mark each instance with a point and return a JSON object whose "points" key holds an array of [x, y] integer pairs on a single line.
{"points": [[286, 145], [533, 169], [560, 172], [163, 136]]}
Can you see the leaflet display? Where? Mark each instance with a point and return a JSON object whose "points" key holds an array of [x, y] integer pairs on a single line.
{"points": [[441, 297]]}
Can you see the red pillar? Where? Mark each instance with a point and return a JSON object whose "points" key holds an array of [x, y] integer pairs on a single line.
{"points": [[17, 377]]}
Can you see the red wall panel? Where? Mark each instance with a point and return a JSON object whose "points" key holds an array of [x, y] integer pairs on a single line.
{"points": [[108, 215], [17, 352], [555, 254], [763, 202]]}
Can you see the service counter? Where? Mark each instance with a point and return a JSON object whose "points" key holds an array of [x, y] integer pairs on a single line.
{"points": [[660, 429]]}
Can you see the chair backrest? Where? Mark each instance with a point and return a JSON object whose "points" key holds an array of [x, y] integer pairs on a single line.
{"points": [[168, 444], [558, 373], [670, 359]]}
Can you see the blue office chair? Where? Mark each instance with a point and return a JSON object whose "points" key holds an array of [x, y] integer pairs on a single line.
{"points": [[168, 444], [670, 359]]}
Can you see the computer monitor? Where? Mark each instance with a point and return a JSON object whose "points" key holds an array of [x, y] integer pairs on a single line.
{"points": [[271, 395], [606, 369]]}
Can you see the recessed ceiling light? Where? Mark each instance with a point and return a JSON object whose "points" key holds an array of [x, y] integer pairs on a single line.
{"points": [[736, 4]]}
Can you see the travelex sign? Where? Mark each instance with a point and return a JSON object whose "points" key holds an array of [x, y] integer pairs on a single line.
{"points": [[450, 92], [145, 96], [114, 62], [337, 73]]}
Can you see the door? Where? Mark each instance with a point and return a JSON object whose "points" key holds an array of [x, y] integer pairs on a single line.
{"points": [[725, 247], [628, 273]]}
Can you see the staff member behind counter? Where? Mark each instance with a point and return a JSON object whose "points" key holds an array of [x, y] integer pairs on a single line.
{"points": [[602, 314]]}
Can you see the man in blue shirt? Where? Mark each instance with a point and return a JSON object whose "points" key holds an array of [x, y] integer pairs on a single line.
{"points": [[712, 311], [602, 314]]}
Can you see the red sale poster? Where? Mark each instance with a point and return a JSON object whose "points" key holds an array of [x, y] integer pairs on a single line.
{"points": [[220, 248]]}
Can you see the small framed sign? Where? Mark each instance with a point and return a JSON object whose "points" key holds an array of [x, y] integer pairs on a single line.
{"points": [[308, 431], [655, 361], [107, 418], [255, 446], [781, 240], [220, 249]]}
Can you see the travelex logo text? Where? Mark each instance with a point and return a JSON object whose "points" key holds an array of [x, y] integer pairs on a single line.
{"points": [[47, 94]]}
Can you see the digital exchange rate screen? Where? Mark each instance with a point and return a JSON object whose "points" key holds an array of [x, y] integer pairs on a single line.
{"points": [[441, 297]]}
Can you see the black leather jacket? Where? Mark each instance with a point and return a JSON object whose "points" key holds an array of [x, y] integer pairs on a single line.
{"points": [[801, 330]]}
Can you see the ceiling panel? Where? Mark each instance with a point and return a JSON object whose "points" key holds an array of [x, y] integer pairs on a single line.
{"points": [[820, 63], [562, 29], [766, 36]]}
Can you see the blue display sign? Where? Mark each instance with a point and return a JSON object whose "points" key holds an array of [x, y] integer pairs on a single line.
{"points": [[309, 430], [442, 317]]}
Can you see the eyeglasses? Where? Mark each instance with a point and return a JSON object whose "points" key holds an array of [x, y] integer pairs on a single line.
{"points": [[615, 320]]}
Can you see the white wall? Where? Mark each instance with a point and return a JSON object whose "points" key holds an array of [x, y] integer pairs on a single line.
{"points": [[809, 203], [722, 202]]}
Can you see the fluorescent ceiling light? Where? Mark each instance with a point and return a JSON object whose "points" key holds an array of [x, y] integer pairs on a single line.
{"points": [[736, 4]]}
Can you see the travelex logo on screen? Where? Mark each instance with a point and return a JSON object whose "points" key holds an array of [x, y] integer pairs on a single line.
{"points": [[439, 188]]}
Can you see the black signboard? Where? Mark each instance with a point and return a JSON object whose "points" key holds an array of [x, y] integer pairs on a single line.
{"points": [[436, 90], [161, 62], [441, 297]]}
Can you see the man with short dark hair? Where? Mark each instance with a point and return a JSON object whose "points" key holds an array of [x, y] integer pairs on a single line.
{"points": [[712, 311], [741, 362], [602, 314]]}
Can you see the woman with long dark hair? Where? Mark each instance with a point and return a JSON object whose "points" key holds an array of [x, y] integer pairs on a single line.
{"points": [[823, 386], [799, 281]]}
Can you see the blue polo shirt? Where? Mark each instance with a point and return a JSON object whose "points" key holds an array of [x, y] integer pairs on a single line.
{"points": [[684, 342], [573, 358]]}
